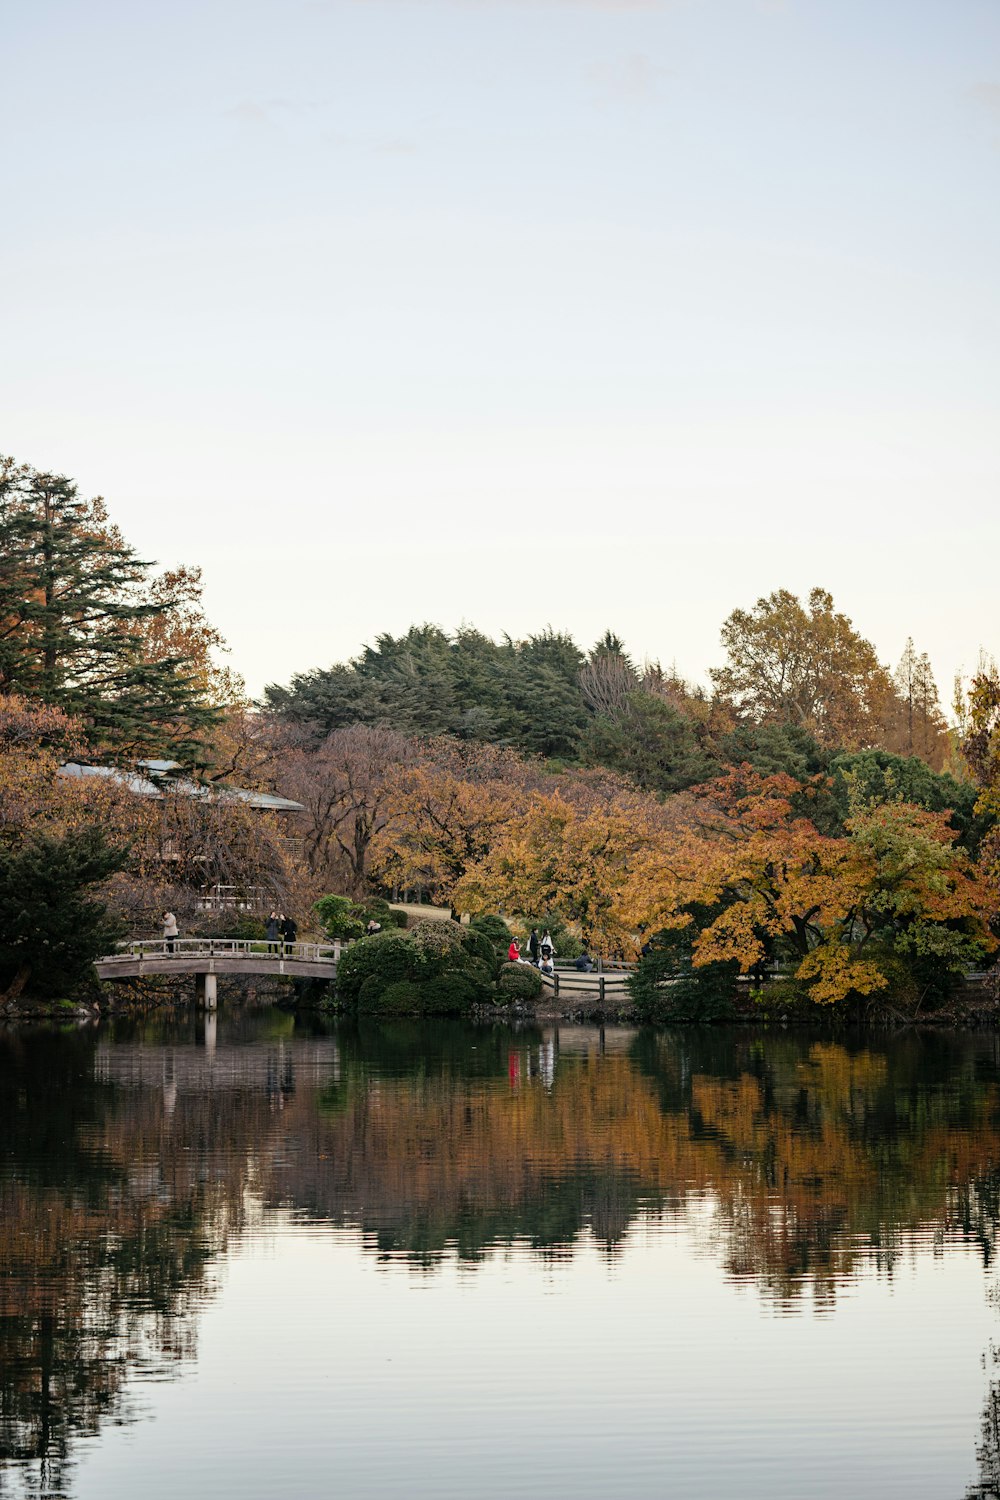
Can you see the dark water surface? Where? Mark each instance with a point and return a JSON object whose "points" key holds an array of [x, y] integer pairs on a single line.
{"points": [[436, 1261]]}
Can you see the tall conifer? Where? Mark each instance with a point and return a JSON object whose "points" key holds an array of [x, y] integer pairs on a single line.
{"points": [[73, 596]]}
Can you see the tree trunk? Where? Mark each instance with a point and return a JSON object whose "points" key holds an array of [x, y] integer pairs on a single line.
{"points": [[17, 984]]}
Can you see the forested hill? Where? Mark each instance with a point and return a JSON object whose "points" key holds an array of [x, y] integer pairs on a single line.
{"points": [[799, 689]]}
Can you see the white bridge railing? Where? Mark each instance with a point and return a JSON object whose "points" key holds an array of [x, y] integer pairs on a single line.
{"points": [[160, 948]]}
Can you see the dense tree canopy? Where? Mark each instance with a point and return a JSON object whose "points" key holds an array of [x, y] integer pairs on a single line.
{"points": [[525, 693], [800, 685], [798, 810], [795, 664], [84, 625]]}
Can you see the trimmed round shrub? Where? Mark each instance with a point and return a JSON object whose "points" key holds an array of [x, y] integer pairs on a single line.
{"points": [[437, 940], [519, 982], [429, 971], [494, 929], [401, 998], [451, 995], [480, 973], [386, 957], [478, 946]]}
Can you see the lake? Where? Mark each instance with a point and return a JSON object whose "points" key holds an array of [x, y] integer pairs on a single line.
{"points": [[255, 1256]]}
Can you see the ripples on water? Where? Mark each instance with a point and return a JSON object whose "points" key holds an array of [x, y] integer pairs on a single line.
{"points": [[432, 1260]]}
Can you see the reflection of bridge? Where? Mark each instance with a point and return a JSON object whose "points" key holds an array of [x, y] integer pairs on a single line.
{"points": [[206, 958]]}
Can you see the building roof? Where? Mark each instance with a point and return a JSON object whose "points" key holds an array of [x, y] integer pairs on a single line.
{"points": [[152, 785]]}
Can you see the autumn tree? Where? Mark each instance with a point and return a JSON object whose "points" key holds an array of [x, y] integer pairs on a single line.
{"points": [[77, 618], [452, 803], [981, 751], [589, 860], [178, 630], [893, 903], [349, 788], [791, 663], [922, 728], [778, 883]]}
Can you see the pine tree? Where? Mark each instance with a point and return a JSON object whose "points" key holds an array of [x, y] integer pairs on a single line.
{"points": [[74, 597], [51, 928]]}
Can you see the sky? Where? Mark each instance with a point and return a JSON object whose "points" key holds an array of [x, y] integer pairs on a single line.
{"points": [[581, 313]]}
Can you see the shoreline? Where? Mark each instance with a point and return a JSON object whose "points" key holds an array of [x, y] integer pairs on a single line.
{"points": [[970, 1010]]}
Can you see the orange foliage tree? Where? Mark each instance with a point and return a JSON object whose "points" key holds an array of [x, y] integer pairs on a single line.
{"points": [[853, 913]]}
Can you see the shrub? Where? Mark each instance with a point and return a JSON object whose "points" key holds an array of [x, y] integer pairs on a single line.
{"points": [[481, 974], [494, 929], [448, 995], [438, 940], [343, 918], [667, 987], [429, 971], [339, 917], [519, 982], [246, 929], [451, 995], [479, 946], [565, 941], [782, 994], [386, 957], [401, 998], [377, 909]]}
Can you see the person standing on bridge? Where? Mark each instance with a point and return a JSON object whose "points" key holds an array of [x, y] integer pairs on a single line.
{"points": [[289, 931], [169, 931], [271, 932], [533, 945]]}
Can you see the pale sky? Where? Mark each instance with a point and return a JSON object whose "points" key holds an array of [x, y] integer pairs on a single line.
{"points": [[582, 312]]}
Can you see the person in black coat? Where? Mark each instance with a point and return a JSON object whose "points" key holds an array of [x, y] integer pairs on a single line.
{"points": [[289, 930], [271, 932]]}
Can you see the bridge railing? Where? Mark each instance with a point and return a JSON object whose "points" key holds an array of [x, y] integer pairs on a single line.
{"points": [[160, 948]]}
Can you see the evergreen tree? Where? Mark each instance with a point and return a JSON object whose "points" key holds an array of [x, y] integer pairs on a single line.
{"points": [[73, 601], [522, 694], [51, 928], [652, 743]]}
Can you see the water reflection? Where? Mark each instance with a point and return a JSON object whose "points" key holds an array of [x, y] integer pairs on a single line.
{"points": [[132, 1156]]}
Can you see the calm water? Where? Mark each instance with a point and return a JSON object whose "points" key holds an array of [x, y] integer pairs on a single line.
{"points": [[428, 1260]]}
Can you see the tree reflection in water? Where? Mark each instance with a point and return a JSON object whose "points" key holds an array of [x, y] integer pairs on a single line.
{"points": [[112, 1207], [127, 1158]]}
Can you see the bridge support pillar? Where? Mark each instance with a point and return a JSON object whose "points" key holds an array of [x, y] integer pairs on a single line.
{"points": [[206, 991]]}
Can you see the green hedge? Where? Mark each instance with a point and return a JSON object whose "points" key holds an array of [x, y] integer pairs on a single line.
{"points": [[437, 969], [519, 982], [495, 930]]}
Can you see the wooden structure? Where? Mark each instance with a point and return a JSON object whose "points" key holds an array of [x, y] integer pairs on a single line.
{"points": [[568, 982], [206, 958]]}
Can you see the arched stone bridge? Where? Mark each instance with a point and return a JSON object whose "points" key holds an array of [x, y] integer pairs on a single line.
{"points": [[206, 958]]}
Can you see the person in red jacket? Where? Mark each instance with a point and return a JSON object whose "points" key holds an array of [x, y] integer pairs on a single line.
{"points": [[513, 952]]}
